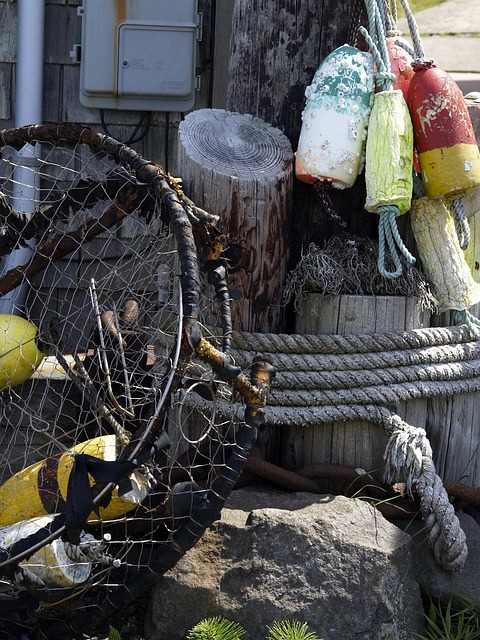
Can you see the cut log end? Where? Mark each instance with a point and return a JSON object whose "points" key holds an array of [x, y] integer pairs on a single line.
{"points": [[235, 144]]}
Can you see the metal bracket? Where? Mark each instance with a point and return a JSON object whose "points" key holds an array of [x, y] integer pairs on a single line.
{"points": [[76, 53]]}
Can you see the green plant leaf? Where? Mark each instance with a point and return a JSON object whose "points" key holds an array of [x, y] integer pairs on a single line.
{"points": [[216, 628], [290, 630], [113, 634], [446, 623]]}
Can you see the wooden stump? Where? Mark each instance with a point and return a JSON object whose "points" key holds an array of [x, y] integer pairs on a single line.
{"points": [[241, 168], [346, 314], [357, 443]]}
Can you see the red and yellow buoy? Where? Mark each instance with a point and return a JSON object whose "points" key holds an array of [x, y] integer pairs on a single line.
{"points": [[448, 153]]}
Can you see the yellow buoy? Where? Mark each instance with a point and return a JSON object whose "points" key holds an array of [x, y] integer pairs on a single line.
{"points": [[41, 488], [19, 353], [442, 258], [50, 563]]}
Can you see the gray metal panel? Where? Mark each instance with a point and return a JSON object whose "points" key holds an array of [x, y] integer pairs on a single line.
{"points": [[139, 56]]}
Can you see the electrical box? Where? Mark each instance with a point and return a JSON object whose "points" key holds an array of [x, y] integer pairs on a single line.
{"points": [[139, 55]]}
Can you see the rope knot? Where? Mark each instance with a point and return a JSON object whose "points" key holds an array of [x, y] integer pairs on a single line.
{"points": [[394, 33], [385, 75], [423, 63]]}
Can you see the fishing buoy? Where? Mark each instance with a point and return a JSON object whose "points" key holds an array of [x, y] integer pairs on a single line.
{"points": [[389, 154], [400, 65], [42, 487], [442, 258], [51, 563], [19, 353], [332, 138], [444, 137]]}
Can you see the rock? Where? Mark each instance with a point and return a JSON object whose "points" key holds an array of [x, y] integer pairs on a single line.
{"points": [[330, 561], [440, 584]]}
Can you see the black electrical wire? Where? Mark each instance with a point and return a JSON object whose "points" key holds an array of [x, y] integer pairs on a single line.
{"points": [[131, 140]]}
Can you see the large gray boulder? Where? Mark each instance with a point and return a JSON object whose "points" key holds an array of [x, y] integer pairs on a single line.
{"points": [[330, 561]]}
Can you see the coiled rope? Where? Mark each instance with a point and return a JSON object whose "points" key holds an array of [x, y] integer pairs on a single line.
{"points": [[334, 378], [91, 550]]}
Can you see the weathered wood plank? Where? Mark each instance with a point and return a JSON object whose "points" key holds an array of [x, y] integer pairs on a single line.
{"points": [[52, 101], [454, 434], [319, 314], [5, 90], [8, 41], [223, 33], [309, 320], [57, 48]]}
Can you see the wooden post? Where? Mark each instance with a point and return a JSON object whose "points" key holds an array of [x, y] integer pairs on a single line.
{"points": [[357, 443], [275, 51], [241, 168]]}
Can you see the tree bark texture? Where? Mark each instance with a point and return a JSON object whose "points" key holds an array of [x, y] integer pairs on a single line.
{"points": [[276, 48]]}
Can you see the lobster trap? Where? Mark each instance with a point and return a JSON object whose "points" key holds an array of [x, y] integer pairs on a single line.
{"points": [[110, 467]]}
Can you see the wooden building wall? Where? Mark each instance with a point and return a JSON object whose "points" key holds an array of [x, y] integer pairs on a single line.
{"points": [[62, 76]]}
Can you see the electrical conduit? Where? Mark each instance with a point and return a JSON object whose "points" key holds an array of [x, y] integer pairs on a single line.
{"points": [[28, 110]]}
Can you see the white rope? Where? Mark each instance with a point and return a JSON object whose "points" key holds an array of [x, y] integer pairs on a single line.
{"points": [[90, 550], [409, 451]]}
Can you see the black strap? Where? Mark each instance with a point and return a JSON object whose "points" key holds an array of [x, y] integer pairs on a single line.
{"points": [[79, 502]]}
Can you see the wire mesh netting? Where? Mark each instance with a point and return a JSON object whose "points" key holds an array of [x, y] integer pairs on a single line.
{"points": [[110, 468]]}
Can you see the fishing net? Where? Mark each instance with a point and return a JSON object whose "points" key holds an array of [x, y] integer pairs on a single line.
{"points": [[347, 264], [110, 470]]}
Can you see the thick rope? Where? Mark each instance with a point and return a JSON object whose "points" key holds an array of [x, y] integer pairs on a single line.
{"points": [[90, 550], [470, 320], [414, 33], [312, 363], [334, 380], [409, 449], [408, 458], [391, 19], [351, 343], [322, 379]]}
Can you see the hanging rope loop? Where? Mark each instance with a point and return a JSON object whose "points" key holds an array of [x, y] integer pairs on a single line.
{"points": [[388, 235]]}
